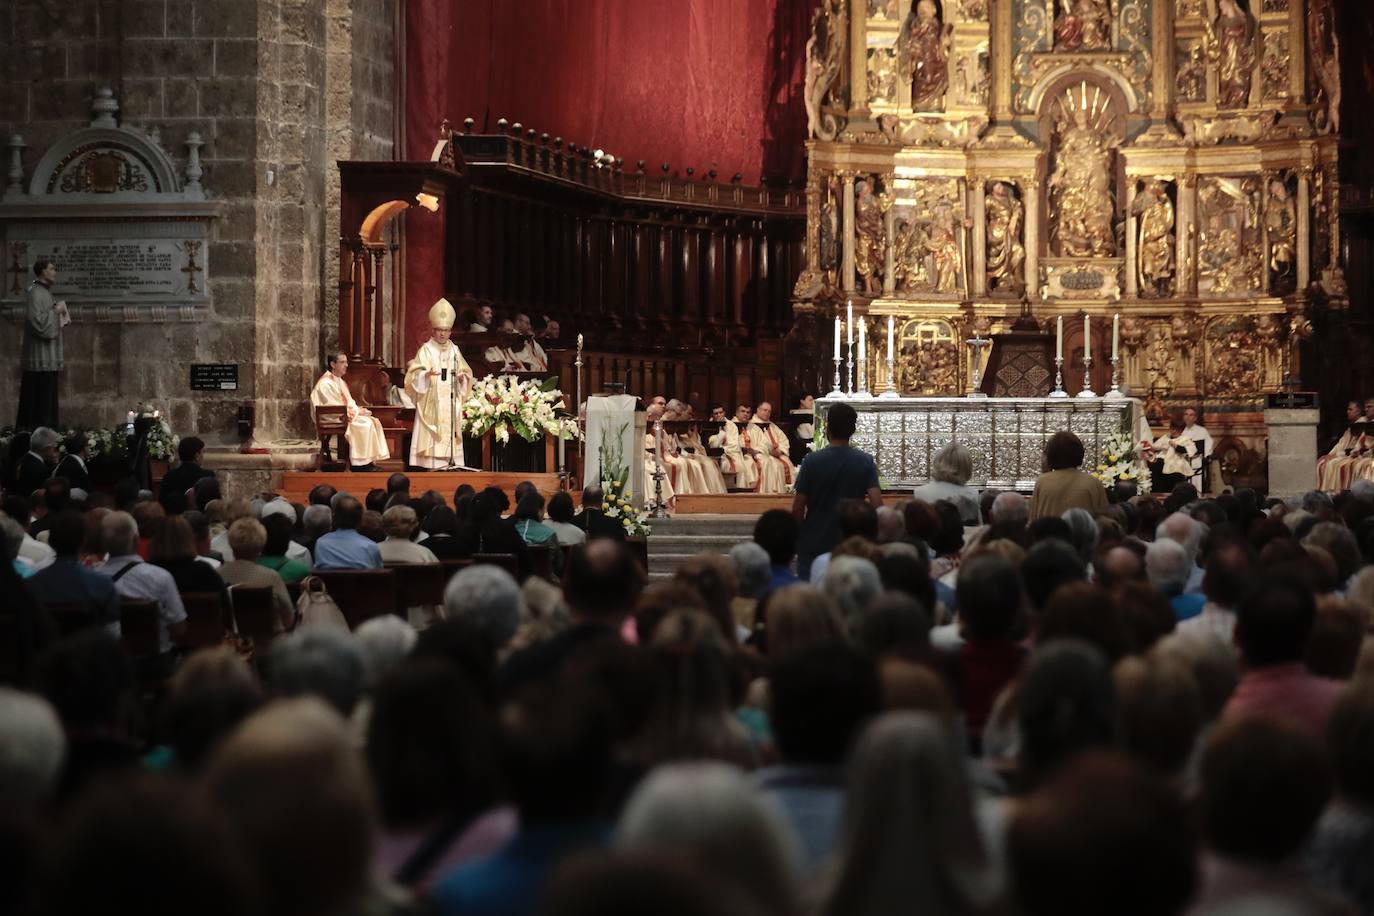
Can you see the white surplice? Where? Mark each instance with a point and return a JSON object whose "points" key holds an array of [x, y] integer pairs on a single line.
{"points": [[366, 443]]}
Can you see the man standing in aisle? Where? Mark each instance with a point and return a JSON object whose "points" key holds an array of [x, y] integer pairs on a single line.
{"points": [[366, 442], [769, 442], [41, 353], [828, 476], [438, 379]]}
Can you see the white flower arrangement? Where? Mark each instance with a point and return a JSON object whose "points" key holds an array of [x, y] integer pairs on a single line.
{"points": [[502, 405], [619, 503], [1121, 460]]}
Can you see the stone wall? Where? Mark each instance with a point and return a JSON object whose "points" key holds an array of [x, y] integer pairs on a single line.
{"points": [[250, 76]]}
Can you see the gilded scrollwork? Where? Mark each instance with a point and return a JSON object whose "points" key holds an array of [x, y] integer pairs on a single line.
{"points": [[1137, 37], [1324, 57], [1190, 82], [824, 63], [1274, 66], [1033, 33]]}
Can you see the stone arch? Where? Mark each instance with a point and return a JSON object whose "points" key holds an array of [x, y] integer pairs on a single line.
{"points": [[131, 165]]}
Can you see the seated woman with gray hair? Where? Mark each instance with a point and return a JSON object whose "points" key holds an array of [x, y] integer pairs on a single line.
{"points": [[950, 471]]}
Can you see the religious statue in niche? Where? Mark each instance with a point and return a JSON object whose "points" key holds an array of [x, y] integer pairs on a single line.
{"points": [[974, 9], [1230, 34], [1005, 253], [1156, 241], [1274, 67], [882, 9], [974, 78], [1281, 224], [824, 58], [882, 75], [1082, 202], [870, 237], [925, 46], [1229, 250], [1324, 55], [1083, 25], [830, 227]]}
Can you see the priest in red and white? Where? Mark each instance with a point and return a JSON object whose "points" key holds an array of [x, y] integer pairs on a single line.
{"points": [[366, 444]]}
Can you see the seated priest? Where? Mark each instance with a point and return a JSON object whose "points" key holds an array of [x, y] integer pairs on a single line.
{"points": [[769, 444], [366, 444], [481, 318], [531, 356], [438, 380], [705, 473], [1333, 468], [503, 356], [1202, 439], [730, 439], [1362, 462]]}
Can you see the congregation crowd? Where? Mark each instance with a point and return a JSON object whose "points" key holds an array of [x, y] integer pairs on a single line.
{"points": [[962, 702]]}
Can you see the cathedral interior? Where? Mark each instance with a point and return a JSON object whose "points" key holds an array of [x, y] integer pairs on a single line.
{"points": [[1171, 178]]}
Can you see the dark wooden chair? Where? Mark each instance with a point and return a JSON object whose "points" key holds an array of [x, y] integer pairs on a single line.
{"points": [[71, 618], [420, 584], [541, 564], [138, 628], [332, 422], [506, 561], [253, 614], [362, 593], [455, 564], [205, 624]]}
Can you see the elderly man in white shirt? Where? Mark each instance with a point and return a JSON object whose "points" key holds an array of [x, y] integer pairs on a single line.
{"points": [[138, 580]]}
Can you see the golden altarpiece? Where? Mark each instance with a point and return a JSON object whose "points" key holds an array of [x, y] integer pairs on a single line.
{"points": [[1170, 161]]}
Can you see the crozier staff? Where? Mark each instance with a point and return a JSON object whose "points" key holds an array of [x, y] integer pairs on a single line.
{"points": [[41, 352], [438, 379]]}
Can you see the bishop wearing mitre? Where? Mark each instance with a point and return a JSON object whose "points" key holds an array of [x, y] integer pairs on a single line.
{"points": [[438, 379], [366, 443], [769, 444]]}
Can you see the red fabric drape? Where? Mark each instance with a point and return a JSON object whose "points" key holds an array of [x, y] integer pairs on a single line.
{"points": [[701, 83]]}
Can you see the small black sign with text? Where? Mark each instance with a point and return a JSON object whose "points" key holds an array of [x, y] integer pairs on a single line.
{"points": [[214, 377]]}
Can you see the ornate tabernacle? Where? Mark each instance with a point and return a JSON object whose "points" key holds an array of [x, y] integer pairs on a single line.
{"points": [[1006, 436], [1170, 161]]}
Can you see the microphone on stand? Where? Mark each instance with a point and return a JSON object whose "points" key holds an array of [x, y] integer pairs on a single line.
{"points": [[443, 374]]}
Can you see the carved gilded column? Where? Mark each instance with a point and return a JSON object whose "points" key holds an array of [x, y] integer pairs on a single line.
{"points": [[847, 259], [1002, 26], [889, 250], [1304, 230], [1161, 87], [1033, 238], [858, 61], [978, 210], [1297, 52], [1132, 241], [1187, 270]]}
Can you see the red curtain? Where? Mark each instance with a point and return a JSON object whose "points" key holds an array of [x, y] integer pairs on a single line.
{"points": [[701, 83]]}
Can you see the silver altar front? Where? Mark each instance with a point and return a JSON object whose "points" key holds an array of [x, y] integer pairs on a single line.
{"points": [[1006, 436]]}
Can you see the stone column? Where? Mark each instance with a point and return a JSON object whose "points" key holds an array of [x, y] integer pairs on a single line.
{"points": [[847, 258], [1032, 194], [889, 251], [1186, 271], [978, 210], [1304, 230], [1292, 451], [1132, 242]]}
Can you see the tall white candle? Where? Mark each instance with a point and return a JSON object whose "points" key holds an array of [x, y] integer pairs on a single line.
{"points": [[863, 354], [837, 337], [889, 338], [1059, 338], [849, 319], [1087, 339], [1116, 334]]}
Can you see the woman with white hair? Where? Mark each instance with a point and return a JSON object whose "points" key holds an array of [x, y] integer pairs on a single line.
{"points": [[852, 582], [910, 841], [710, 815], [950, 471]]}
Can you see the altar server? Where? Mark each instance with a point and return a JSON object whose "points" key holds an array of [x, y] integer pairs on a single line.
{"points": [[438, 380], [366, 443]]}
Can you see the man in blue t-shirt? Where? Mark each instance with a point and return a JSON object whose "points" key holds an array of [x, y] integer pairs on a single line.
{"points": [[826, 477]]}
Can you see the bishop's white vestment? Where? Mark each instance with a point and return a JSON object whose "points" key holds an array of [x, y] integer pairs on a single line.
{"points": [[437, 441]]}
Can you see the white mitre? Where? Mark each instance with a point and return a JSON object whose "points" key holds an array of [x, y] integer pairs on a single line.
{"points": [[442, 316]]}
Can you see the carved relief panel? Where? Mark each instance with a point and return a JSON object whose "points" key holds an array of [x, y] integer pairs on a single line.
{"points": [[1230, 252], [929, 239]]}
